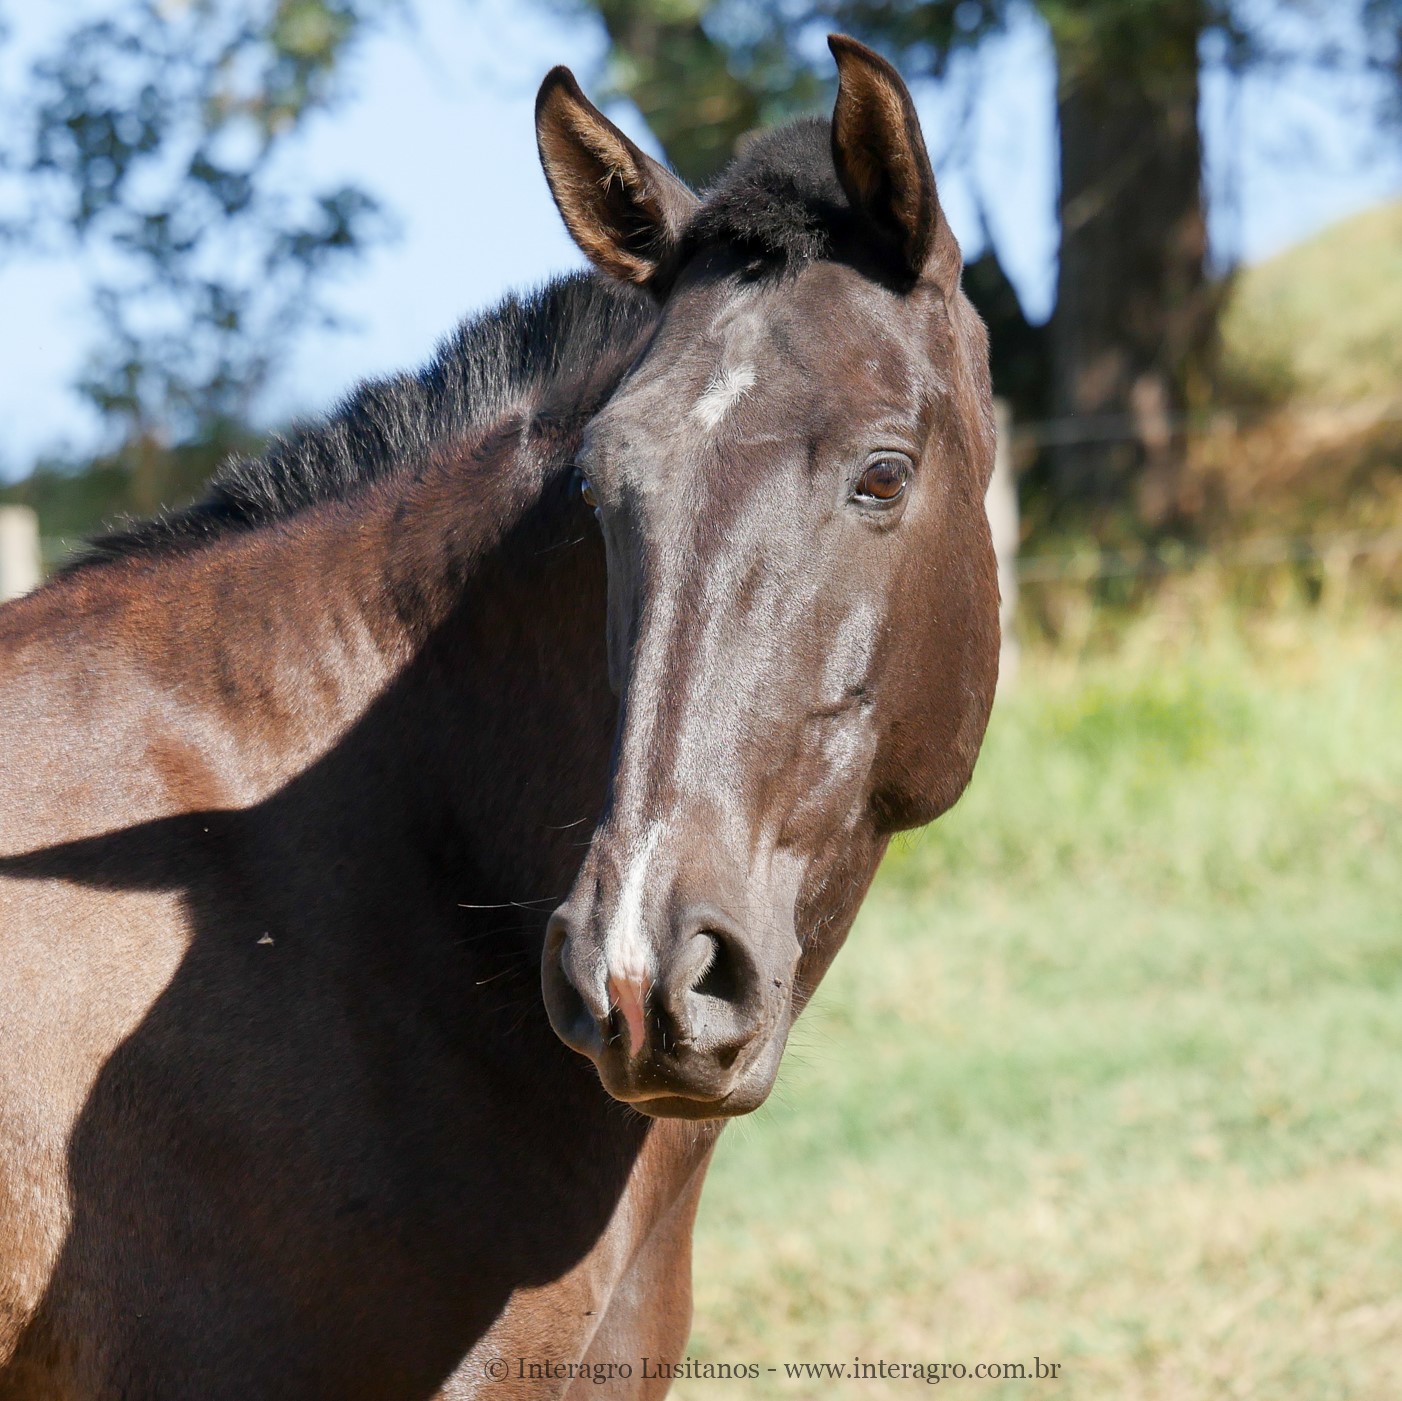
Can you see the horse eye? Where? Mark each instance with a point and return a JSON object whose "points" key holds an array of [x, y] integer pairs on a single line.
{"points": [[586, 494], [883, 480]]}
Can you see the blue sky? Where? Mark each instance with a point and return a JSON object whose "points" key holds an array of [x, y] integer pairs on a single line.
{"points": [[437, 122]]}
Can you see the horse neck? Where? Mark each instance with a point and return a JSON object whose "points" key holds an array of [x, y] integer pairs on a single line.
{"points": [[504, 716], [432, 649], [447, 631]]}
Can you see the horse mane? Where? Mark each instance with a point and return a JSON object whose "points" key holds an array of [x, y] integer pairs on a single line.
{"points": [[492, 366], [780, 201]]}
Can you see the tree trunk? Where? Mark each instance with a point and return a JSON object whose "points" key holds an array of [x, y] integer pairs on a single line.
{"points": [[1134, 313], [1018, 350]]}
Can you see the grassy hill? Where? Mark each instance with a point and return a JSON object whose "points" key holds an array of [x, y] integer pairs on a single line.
{"points": [[1312, 349], [1322, 321]]}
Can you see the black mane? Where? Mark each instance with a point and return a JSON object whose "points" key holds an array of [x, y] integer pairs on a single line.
{"points": [[780, 200], [492, 366]]}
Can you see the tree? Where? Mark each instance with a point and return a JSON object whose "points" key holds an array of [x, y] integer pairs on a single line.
{"points": [[1134, 307], [1129, 349], [151, 134]]}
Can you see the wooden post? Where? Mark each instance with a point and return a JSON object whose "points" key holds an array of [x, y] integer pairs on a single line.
{"points": [[19, 551], [1001, 505]]}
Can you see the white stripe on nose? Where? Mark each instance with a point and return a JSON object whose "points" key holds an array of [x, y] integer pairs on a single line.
{"points": [[627, 950], [627, 953], [629, 997]]}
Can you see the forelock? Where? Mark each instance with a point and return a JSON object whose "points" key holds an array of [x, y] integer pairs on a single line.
{"points": [[780, 199]]}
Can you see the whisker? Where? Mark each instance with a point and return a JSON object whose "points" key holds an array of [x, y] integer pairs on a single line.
{"points": [[516, 904], [561, 544]]}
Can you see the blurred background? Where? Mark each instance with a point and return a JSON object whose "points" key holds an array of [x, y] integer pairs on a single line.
{"points": [[1111, 1071]]}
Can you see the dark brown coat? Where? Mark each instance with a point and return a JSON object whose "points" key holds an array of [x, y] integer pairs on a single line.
{"points": [[295, 779]]}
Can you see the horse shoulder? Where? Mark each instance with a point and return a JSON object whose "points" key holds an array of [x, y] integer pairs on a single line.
{"points": [[87, 759]]}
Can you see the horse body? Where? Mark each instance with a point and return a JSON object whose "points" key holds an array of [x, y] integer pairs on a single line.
{"points": [[250, 996], [298, 775]]}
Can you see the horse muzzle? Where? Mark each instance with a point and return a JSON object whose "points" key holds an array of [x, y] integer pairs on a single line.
{"points": [[690, 1026]]}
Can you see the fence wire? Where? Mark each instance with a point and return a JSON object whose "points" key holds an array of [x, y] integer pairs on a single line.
{"points": [[1258, 552]]}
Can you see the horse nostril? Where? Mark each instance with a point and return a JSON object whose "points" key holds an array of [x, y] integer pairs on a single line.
{"points": [[714, 989], [718, 967], [721, 974]]}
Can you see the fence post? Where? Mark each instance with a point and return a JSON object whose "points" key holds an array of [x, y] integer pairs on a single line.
{"points": [[1001, 505], [19, 551]]}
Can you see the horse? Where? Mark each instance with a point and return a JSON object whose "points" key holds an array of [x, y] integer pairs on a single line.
{"points": [[412, 853]]}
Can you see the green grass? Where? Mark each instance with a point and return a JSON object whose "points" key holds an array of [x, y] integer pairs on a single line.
{"points": [[1110, 1071], [1320, 320]]}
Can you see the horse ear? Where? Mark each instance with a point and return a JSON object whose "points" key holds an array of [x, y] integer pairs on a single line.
{"points": [[624, 209], [883, 165]]}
